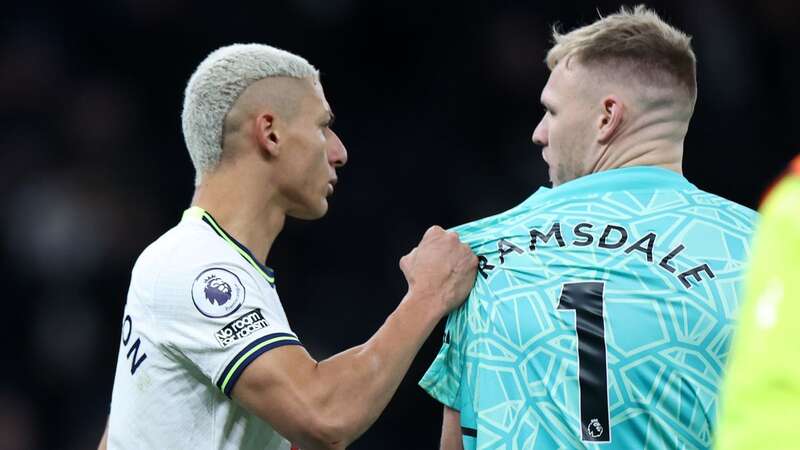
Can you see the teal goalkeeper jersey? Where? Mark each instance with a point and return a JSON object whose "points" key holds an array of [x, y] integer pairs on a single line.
{"points": [[601, 317]]}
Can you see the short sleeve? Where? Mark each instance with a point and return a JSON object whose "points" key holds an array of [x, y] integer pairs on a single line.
{"points": [[443, 378], [217, 319]]}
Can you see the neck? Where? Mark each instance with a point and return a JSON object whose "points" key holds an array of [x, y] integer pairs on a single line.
{"points": [[656, 144], [248, 213], [659, 154]]}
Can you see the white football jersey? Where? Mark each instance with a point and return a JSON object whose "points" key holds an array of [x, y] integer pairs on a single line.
{"points": [[200, 309]]}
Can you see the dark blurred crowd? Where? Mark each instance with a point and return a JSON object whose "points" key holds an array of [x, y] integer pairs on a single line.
{"points": [[435, 101]]}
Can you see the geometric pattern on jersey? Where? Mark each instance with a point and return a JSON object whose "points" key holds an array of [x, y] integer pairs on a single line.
{"points": [[561, 305]]}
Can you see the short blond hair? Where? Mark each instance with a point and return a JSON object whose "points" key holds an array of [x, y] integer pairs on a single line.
{"points": [[215, 86], [636, 41]]}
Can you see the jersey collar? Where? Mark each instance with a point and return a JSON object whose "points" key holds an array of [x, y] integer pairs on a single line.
{"points": [[614, 180], [201, 214]]}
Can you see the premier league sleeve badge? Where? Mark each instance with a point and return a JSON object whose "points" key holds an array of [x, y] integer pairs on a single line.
{"points": [[217, 292]]}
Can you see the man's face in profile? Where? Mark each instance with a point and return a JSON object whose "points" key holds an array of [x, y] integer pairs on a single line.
{"points": [[312, 154], [565, 131]]}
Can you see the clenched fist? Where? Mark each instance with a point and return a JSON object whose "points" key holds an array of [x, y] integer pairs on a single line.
{"points": [[440, 269]]}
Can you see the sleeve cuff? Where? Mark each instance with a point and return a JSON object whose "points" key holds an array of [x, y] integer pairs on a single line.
{"points": [[440, 385], [243, 359]]}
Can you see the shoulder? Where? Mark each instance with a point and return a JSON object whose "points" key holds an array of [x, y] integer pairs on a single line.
{"points": [[187, 261], [480, 231], [725, 210], [183, 248]]}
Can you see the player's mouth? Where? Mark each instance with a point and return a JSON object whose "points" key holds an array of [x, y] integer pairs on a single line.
{"points": [[331, 184]]}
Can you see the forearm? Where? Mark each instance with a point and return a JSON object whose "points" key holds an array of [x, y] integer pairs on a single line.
{"points": [[328, 404], [451, 430], [360, 382]]}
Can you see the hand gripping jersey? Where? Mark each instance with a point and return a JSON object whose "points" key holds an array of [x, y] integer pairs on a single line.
{"points": [[761, 398], [200, 308], [601, 317]]}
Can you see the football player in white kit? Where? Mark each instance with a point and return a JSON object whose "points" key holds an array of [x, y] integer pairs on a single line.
{"points": [[207, 358]]}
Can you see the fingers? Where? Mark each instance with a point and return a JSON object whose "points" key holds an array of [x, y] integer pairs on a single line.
{"points": [[405, 261], [442, 248], [433, 231], [447, 241], [436, 232]]}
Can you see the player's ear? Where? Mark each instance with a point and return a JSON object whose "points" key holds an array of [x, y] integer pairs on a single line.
{"points": [[613, 112], [266, 133]]}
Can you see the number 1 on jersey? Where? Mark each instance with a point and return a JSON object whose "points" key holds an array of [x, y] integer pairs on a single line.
{"points": [[586, 299]]}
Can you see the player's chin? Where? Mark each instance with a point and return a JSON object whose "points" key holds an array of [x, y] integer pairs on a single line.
{"points": [[551, 173], [311, 211]]}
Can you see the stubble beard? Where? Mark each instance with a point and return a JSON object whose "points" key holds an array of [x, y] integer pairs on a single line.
{"points": [[569, 170]]}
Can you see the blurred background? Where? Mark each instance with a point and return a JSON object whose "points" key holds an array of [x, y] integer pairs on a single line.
{"points": [[435, 101]]}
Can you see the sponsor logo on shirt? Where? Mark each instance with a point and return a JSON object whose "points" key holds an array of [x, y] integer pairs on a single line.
{"points": [[241, 328], [217, 292]]}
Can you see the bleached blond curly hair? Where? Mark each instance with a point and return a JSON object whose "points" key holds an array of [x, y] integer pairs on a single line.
{"points": [[215, 86], [635, 42]]}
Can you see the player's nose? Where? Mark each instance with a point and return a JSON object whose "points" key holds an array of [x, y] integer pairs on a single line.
{"points": [[539, 136], [337, 153]]}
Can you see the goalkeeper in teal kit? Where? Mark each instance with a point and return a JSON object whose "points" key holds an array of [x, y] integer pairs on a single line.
{"points": [[603, 309]]}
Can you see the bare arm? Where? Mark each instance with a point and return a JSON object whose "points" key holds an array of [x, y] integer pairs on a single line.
{"points": [[328, 404], [332, 402], [103, 445], [451, 430]]}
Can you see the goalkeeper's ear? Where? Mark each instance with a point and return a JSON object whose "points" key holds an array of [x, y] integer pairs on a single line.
{"points": [[608, 125]]}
